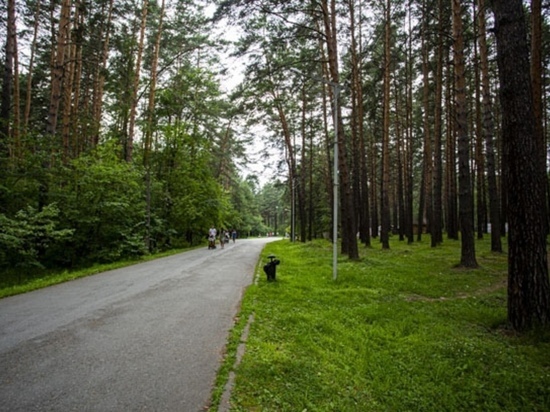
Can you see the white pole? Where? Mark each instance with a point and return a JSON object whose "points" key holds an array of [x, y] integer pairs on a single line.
{"points": [[335, 188]]}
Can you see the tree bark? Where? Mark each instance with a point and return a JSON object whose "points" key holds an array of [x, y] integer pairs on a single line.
{"points": [[360, 185], [68, 86], [149, 128], [528, 284], [326, 140], [58, 71], [466, 215], [152, 91], [349, 239], [99, 77], [538, 91], [384, 195], [424, 207], [409, 152], [450, 179], [7, 85], [16, 133], [437, 215], [375, 223], [400, 170], [481, 206], [28, 93], [488, 131], [303, 171], [128, 149]]}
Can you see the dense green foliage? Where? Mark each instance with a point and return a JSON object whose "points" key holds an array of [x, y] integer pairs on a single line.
{"points": [[26, 237], [399, 330], [107, 165], [96, 210]]}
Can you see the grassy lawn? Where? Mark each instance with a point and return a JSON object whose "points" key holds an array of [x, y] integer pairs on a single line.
{"points": [[400, 330]]}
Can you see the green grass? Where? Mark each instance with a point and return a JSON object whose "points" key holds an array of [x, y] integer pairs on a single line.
{"points": [[400, 330], [17, 281]]}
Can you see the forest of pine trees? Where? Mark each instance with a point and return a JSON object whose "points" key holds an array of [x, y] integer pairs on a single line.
{"points": [[117, 138]]}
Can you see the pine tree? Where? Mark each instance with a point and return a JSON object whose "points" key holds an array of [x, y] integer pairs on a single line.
{"points": [[528, 284]]}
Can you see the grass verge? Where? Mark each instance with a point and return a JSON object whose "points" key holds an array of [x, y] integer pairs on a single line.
{"points": [[399, 330], [15, 282]]}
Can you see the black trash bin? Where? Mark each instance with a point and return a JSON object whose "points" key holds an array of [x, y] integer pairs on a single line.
{"points": [[270, 268]]}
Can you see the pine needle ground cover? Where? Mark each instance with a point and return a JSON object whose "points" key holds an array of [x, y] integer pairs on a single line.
{"points": [[399, 330]]}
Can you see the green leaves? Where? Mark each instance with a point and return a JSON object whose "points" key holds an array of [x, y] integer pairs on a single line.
{"points": [[28, 236], [182, 176], [105, 205]]}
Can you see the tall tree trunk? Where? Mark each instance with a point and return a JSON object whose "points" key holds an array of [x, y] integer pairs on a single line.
{"points": [[135, 89], [58, 69], [481, 209], [384, 195], [326, 134], [375, 223], [17, 151], [356, 121], [488, 131], [68, 84], [528, 284], [28, 94], [450, 179], [409, 156], [425, 206], [437, 216], [364, 206], [400, 169], [152, 91], [466, 215], [536, 80], [290, 157], [7, 86], [99, 76], [303, 171], [149, 128], [311, 210], [503, 182], [349, 231], [224, 169], [80, 137], [421, 203]]}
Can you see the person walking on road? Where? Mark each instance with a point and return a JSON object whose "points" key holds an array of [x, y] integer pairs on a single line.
{"points": [[222, 238], [212, 238]]}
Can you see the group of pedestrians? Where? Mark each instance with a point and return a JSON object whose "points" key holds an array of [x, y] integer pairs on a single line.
{"points": [[224, 237]]}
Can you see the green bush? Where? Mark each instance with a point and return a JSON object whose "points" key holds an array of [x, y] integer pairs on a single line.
{"points": [[27, 238]]}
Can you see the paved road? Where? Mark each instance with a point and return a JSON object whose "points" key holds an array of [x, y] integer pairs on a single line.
{"points": [[149, 337]]}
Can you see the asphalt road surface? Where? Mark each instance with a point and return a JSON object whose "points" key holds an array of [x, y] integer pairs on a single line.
{"points": [[149, 337]]}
